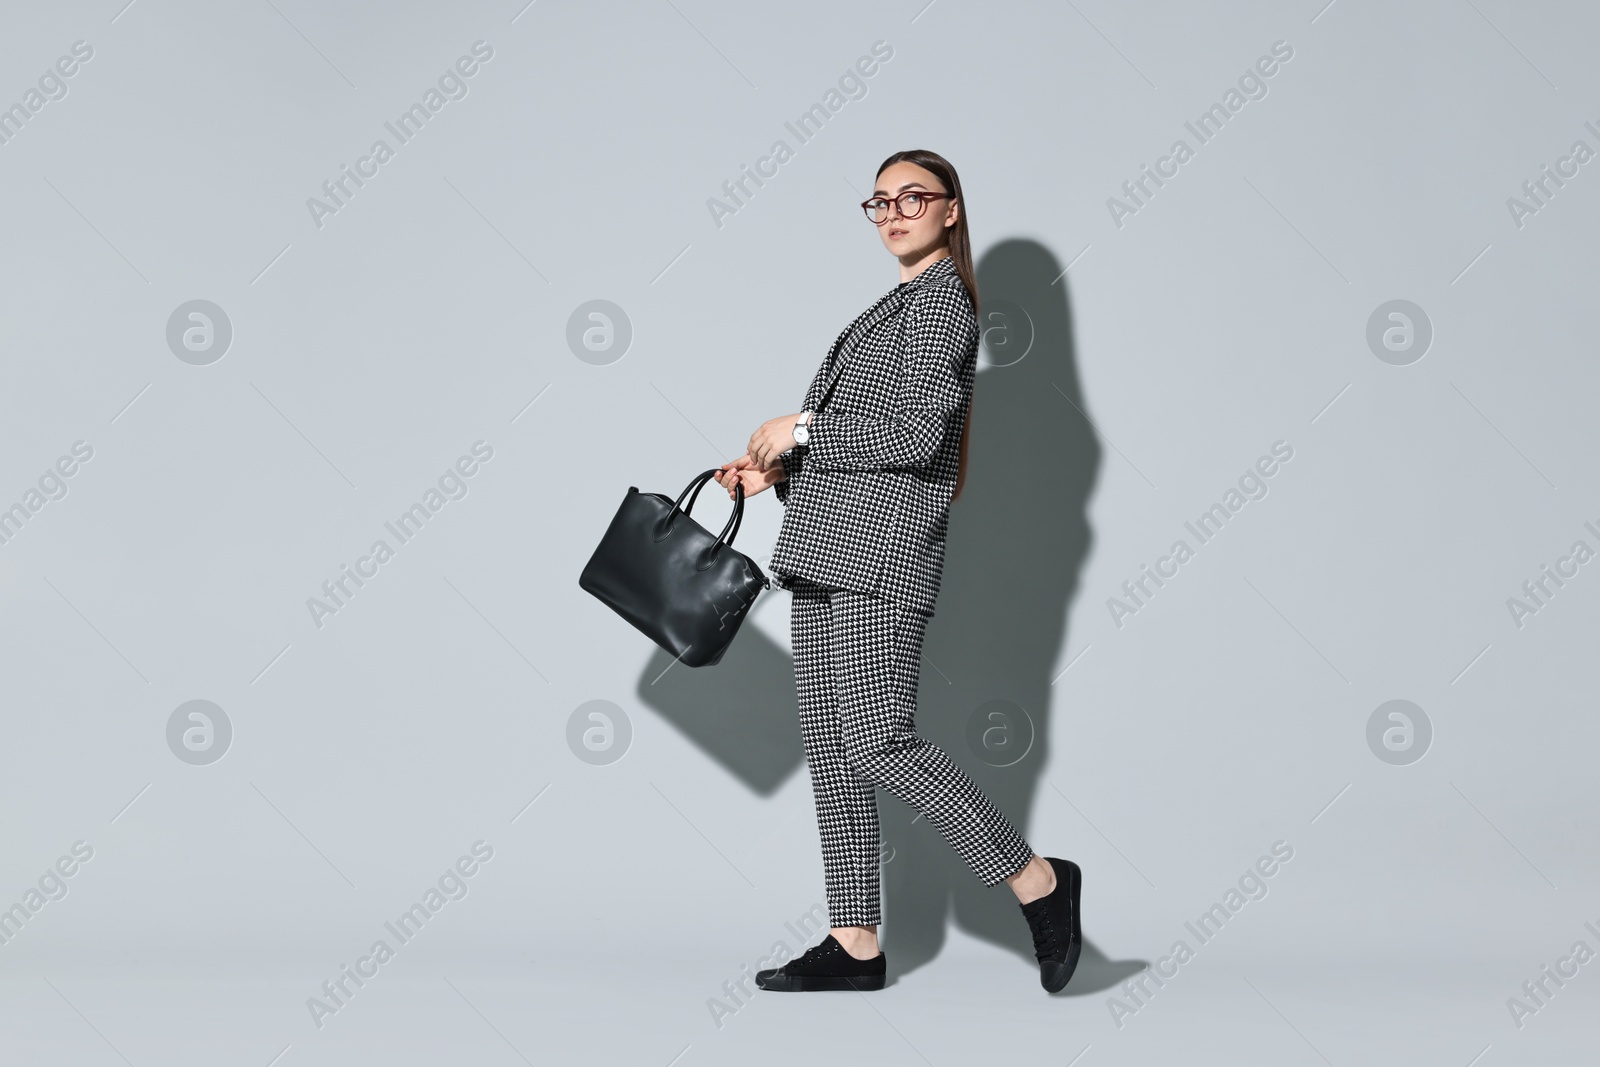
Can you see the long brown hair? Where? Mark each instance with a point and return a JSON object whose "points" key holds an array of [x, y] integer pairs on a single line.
{"points": [[960, 251]]}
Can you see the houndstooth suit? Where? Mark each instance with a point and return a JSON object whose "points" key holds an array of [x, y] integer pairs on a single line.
{"points": [[866, 502], [861, 549], [857, 660]]}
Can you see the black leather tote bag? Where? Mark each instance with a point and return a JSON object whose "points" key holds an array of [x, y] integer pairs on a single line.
{"points": [[667, 575]]}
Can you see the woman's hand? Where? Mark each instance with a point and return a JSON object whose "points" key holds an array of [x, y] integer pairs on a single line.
{"points": [[743, 470], [773, 436]]}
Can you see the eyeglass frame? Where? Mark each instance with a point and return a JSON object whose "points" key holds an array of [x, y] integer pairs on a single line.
{"points": [[866, 205]]}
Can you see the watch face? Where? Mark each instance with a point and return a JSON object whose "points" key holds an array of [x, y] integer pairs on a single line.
{"points": [[801, 435]]}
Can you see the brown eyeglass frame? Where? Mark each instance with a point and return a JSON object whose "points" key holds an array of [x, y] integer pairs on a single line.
{"points": [[866, 205]]}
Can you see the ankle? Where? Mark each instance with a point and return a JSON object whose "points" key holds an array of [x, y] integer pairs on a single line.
{"points": [[859, 941], [1037, 879]]}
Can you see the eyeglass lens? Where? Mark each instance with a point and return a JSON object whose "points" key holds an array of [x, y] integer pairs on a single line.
{"points": [[911, 206]]}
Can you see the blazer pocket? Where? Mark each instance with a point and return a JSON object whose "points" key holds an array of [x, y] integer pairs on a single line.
{"points": [[851, 520]]}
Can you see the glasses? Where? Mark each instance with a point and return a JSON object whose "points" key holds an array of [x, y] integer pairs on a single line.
{"points": [[909, 205]]}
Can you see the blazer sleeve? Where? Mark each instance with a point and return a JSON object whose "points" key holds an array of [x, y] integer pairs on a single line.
{"points": [[940, 332], [792, 461]]}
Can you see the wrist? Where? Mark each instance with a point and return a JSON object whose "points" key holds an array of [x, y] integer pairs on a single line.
{"points": [[800, 431]]}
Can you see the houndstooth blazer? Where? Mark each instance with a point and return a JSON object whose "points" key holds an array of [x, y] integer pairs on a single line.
{"points": [[867, 500]]}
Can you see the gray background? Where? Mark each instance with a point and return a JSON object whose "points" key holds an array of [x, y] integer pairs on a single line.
{"points": [[434, 710]]}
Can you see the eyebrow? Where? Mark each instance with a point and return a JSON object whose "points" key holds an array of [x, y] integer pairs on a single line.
{"points": [[903, 188]]}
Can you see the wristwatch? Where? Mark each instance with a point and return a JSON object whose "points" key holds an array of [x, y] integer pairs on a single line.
{"points": [[802, 434]]}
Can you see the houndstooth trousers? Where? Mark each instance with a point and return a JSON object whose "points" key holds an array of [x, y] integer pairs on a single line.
{"points": [[857, 658]]}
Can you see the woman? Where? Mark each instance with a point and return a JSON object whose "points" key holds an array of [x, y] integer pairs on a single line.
{"points": [[866, 473]]}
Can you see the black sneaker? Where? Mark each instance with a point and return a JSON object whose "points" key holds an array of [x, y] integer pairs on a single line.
{"points": [[1054, 920], [825, 965]]}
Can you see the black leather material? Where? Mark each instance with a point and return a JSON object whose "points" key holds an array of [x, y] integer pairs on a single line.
{"points": [[679, 585]]}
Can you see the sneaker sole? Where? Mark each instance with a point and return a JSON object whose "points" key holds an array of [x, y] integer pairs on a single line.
{"points": [[810, 983]]}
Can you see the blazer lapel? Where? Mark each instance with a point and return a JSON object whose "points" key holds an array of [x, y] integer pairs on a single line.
{"points": [[889, 304], [840, 355]]}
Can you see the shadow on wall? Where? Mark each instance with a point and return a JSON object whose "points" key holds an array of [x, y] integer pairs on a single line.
{"points": [[1017, 540]]}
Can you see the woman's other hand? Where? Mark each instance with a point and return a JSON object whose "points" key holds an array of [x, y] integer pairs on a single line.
{"points": [[743, 470], [772, 437]]}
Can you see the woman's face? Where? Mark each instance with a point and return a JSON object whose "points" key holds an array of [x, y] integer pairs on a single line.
{"points": [[911, 239]]}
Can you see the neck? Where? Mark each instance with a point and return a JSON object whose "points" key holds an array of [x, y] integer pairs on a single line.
{"points": [[913, 265]]}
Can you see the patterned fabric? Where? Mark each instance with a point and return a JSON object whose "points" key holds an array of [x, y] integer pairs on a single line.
{"points": [[857, 658], [867, 500]]}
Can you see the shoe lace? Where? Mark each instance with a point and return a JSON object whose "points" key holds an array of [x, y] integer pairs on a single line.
{"points": [[1044, 934], [812, 954]]}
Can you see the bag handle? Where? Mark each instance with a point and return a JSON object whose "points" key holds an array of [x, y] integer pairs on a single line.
{"points": [[697, 483]]}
